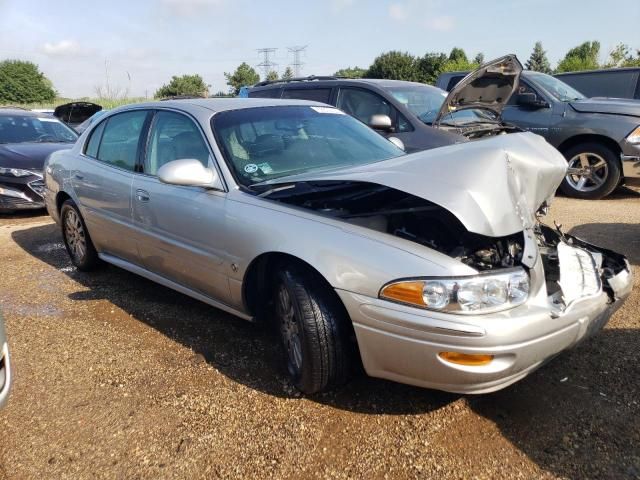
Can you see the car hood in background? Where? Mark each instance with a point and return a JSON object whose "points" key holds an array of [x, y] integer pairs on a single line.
{"points": [[29, 156], [618, 106], [494, 187], [489, 87], [75, 113]]}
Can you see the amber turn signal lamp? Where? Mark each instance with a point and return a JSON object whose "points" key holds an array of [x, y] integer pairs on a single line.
{"points": [[466, 358], [405, 292]]}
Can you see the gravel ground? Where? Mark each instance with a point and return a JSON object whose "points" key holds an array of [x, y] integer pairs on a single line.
{"points": [[116, 377]]}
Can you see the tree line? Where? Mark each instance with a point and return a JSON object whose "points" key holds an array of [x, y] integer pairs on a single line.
{"points": [[22, 82]]}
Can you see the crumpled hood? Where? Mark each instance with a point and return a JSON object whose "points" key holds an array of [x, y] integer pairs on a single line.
{"points": [[617, 106], [494, 187], [29, 156]]}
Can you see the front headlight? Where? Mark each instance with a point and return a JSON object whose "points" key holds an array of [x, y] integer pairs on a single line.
{"points": [[15, 172], [483, 293], [634, 137]]}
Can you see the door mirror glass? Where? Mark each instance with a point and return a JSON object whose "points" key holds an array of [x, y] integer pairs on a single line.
{"points": [[380, 122], [530, 100], [188, 172], [397, 142]]}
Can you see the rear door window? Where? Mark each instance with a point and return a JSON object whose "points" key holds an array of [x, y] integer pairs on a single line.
{"points": [[121, 139], [314, 94]]}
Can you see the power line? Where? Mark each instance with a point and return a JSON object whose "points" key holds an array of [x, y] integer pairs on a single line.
{"points": [[297, 63], [267, 65]]}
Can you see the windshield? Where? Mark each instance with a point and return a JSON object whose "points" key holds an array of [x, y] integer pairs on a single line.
{"points": [[265, 143], [30, 129], [557, 88], [425, 102]]}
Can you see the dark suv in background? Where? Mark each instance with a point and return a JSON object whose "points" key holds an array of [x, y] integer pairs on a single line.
{"points": [[377, 103], [599, 137], [610, 82]]}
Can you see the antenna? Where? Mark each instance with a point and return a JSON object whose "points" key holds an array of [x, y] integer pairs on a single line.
{"points": [[267, 65], [297, 64]]}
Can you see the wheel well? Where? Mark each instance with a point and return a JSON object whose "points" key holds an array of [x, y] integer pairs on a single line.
{"points": [[259, 275], [578, 139], [60, 199]]}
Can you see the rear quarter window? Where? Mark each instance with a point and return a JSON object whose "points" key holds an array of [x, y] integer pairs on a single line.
{"points": [[91, 147], [313, 94], [268, 93]]}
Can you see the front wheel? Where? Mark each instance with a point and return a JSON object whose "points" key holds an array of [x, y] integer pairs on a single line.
{"points": [[76, 238], [313, 327], [593, 171]]}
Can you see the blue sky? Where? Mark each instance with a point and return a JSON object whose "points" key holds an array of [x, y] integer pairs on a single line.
{"points": [[144, 42]]}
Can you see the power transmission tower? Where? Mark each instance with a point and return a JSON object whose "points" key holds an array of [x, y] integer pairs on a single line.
{"points": [[267, 65], [297, 63]]}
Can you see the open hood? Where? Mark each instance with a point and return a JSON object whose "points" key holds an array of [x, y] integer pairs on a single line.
{"points": [[494, 187], [75, 113], [489, 87]]}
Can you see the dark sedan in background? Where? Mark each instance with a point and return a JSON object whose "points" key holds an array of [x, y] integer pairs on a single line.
{"points": [[26, 139]]}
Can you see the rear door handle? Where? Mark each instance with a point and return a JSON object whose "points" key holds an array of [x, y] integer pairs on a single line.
{"points": [[78, 176], [142, 195]]}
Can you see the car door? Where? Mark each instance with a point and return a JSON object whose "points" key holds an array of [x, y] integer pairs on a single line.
{"points": [[103, 182], [364, 104], [180, 229], [534, 119]]}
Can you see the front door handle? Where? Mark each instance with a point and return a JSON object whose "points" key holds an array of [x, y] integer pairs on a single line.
{"points": [[142, 195], [78, 176]]}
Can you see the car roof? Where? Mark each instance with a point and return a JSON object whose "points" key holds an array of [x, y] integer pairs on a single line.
{"points": [[219, 104], [310, 82], [12, 111]]}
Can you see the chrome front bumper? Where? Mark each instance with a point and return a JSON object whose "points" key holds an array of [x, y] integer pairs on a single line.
{"points": [[402, 343], [5, 374]]}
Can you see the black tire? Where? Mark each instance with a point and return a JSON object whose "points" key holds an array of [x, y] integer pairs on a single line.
{"points": [[321, 323], [76, 238], [601, 181]]}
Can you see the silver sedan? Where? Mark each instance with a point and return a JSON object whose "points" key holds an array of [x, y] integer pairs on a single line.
{"points": [[431, 268]]}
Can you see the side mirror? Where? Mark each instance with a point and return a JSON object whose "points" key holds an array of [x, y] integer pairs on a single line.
{"points": [[188, 172], [380, 122], [530, 100], [397, 142]]}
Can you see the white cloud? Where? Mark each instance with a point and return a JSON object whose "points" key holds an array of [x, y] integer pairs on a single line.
{"points": [[188, 8], [398, 12], [442, 23], [337, 6], [65, 48]]}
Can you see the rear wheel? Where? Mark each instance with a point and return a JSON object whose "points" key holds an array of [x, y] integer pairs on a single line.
{"points": [[76, 238], [593, 171], [313, 328]]}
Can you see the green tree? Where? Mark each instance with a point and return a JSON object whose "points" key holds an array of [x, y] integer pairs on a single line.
{"points": [[582, 57], [184, 85], [244, 76], [538, 61], [394, 65], [351, 72], [458, 55], [272, 76], [621, 56], [22, 82], [430, 66], [288, 74], [479, 58]]}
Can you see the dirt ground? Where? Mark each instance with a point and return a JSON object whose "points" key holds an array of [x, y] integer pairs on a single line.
{"points": [[117, 377]]}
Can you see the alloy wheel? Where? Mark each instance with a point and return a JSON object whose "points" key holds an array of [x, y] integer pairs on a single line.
{"points": [[587, 172], [75, 236], [290, 330]]}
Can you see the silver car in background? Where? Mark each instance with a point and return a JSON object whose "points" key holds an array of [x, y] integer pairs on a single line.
{"points": [[432, 267], [5, 365]]}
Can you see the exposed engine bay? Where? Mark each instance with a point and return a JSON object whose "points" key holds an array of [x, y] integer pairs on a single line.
{"points": [[403, 215], [477, 130]]}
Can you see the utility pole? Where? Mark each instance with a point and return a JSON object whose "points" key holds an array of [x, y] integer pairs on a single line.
{"points": [[297, 63], [267, 65]]}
